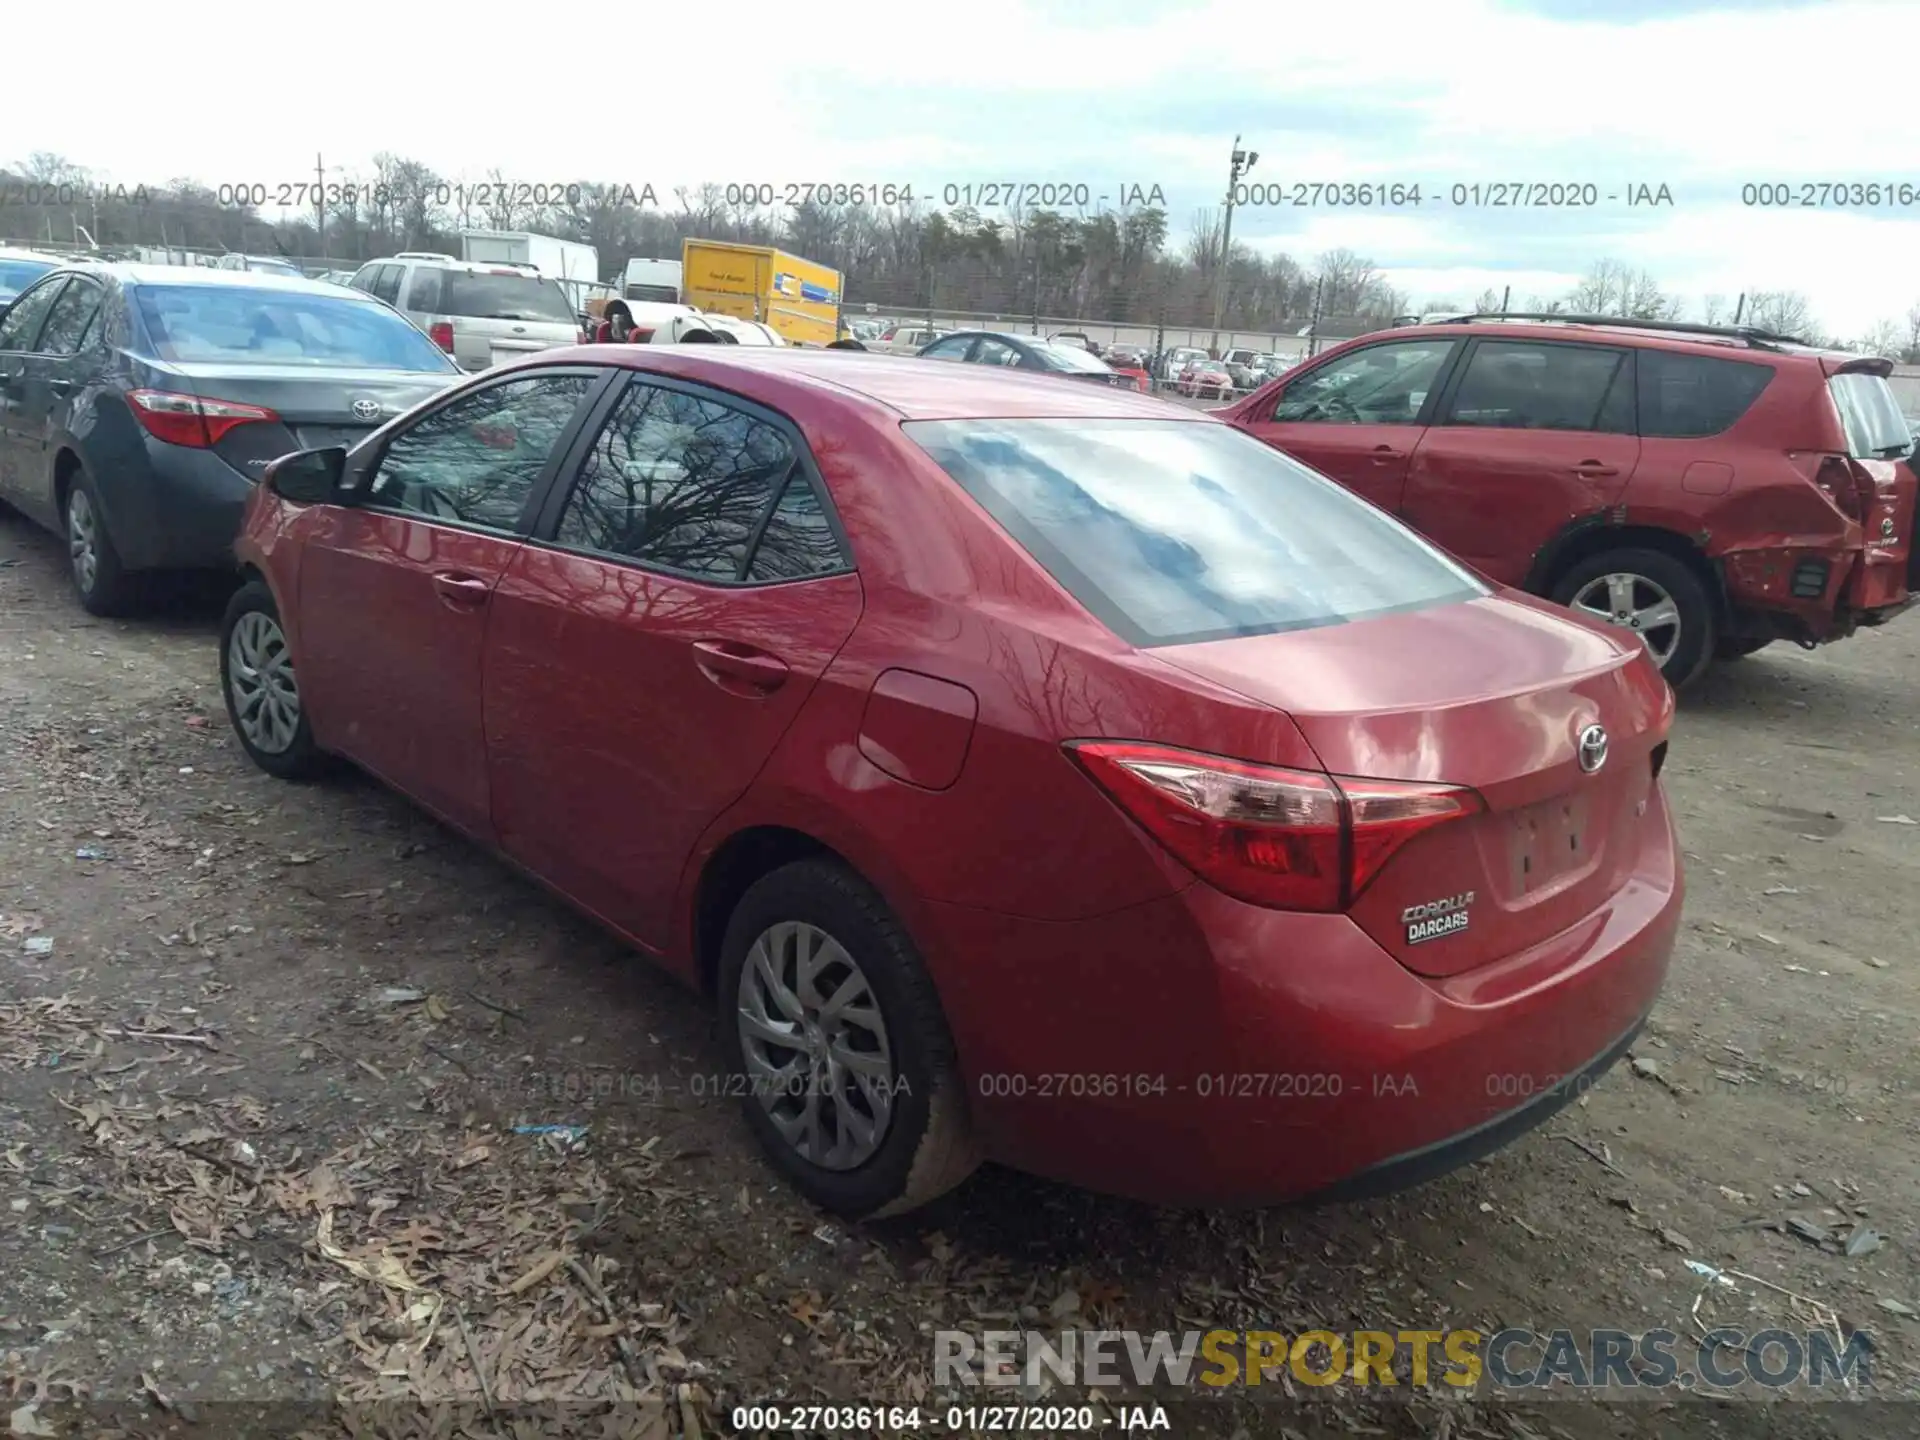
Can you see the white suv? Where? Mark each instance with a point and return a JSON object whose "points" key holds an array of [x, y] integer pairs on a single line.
{"points": [[482, 314]]}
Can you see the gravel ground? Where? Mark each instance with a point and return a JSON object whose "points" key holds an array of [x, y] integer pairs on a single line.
{"points": [[264, 1050]]}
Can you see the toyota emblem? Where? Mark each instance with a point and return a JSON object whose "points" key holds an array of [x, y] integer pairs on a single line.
{"points": [[1593, 748], [366, 409]]}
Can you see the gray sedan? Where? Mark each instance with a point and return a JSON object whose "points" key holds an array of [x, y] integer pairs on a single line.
{"points": [[140, 404]]}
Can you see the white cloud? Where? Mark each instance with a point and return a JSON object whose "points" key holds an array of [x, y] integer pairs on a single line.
{"points": [[861, 91]]}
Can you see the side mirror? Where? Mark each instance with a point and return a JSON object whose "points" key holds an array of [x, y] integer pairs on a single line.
{"points": [[311, 477]]}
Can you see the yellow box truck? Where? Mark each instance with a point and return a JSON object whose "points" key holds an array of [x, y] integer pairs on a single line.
{"points": [[797, 298]]}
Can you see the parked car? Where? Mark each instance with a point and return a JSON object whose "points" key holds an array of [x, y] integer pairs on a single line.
{"points": [[955, 730], [481, 314], [1027, 352], [1176, 360], [20, 268], [260, 265], [1126, 354], [1710, 489], [1075, 339], [1205, 380], [906, 339], [143, 403]]}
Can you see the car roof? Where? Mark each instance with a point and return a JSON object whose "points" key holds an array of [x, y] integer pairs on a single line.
{"points": [[135, 273], [1625, 333], [911, 388]]}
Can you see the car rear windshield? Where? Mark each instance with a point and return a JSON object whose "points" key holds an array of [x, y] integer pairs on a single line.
{"points": [[1172, 532], [240, 326], [16, 275], [662, 294], [486, 295], [1871, 415], [1072, 357]]}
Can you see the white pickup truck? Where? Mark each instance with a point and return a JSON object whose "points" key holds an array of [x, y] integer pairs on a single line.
{"points": [[905, 339]]}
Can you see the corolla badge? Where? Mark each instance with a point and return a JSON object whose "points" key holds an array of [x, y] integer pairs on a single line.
{"points": [[1593, 748], [367, 409], [1437, 918]]}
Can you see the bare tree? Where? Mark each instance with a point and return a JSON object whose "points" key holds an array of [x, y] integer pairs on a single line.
{"points": [[1885, 338], [1713, 309], [1603, 290], [1784, 312], [1912, 353]]}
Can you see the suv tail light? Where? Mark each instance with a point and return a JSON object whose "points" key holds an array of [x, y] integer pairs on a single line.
{"points": [[442, 335], [1847, 485], [1285, 839], [190, 420]]}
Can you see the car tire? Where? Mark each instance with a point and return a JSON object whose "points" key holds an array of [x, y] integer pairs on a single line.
{"points": [[254, 662], [101, 580], [1734, 647], [1653, 574], [926, 1146]]}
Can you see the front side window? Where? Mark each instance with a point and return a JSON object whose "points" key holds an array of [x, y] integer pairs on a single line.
{"points": [[386, 283], [996, 352], [1379, 385], [947, 349], [686, 483], [1173, 532], [477, 460], [1515, 385]]}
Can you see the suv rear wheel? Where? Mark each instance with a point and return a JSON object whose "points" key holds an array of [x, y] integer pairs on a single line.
{"points": [[1654, 595]]}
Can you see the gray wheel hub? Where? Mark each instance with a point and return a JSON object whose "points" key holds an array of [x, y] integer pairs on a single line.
{"points": [[83, 540], [1633, 602], [818, 1058], [266, 698]]}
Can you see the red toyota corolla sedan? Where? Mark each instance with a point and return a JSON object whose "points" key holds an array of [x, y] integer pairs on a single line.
{"points": [[1030, 771]]}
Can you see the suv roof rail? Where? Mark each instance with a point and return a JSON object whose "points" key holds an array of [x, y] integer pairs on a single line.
{"points": [[1751, 334], [423, 255]]}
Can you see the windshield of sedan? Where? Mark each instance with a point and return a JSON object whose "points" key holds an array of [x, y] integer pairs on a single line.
{"points": [[16, 275], [1174, 532], [236, 325]]}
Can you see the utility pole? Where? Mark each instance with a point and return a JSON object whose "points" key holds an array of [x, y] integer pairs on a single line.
{"points": [[1243, 161], [1505, 296], [320, 203], [1741, 308], [1313, 327]]}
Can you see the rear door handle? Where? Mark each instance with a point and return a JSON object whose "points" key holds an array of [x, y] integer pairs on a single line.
{"points": [[461, 589], [724, 660], [1387, 452], [1595, 468]]}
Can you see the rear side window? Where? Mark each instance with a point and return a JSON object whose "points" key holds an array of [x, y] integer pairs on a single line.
{"points": [[1685, 397], [22, 322], [1511, 385], [690, 484], [71, 319], [1876, 430], [484, 295], [1172, 532]]}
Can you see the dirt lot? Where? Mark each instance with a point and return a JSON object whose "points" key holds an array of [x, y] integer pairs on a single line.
{"points": [[263, 1050]]}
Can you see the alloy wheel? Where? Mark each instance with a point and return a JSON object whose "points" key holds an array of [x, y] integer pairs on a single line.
{"points": [[266, 698], [817, 1055], [83, 540], [1633, 602]]}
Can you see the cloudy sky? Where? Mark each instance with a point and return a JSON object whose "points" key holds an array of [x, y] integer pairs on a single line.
{"points": [[1701, 98]]}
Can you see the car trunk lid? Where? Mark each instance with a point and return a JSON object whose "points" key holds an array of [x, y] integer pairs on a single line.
{"points": [[312, 408], [1555, 839]]}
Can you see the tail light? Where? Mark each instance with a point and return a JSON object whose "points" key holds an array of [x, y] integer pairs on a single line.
{"points": [[1847, 485], [442, 335], [1285, 839], [190, 420]]}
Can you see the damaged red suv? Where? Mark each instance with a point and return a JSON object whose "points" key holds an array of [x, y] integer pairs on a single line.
{"points": [[1712, 488]]}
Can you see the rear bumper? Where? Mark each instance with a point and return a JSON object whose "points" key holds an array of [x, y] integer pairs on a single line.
{"points": [[183, 513], [1199, 1051]]}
